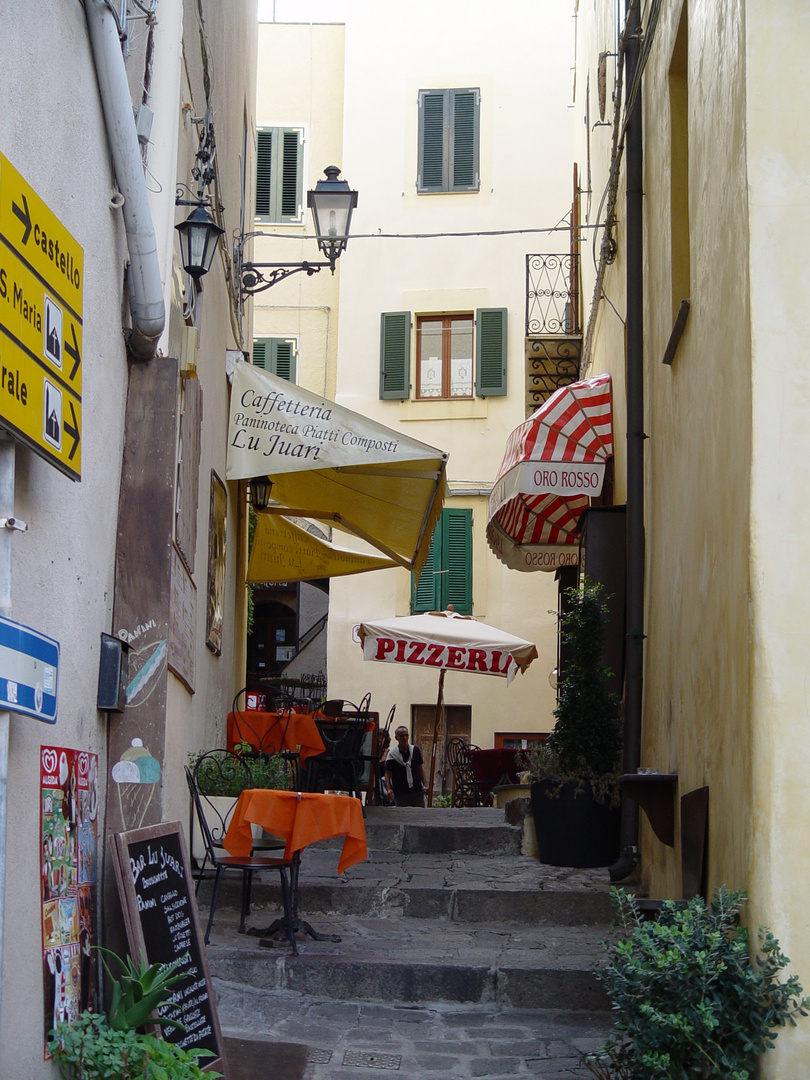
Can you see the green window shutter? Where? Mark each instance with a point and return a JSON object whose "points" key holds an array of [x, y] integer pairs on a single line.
{"points": [[456, 528], [465, 140], [276, 355], [264, 169], [279, 174], [490, 352], [283, 359], [290, 180], [426, 595], [395, 354], [260, 352], [433, 137]]}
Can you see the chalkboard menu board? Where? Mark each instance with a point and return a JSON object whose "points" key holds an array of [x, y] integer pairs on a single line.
{"points": [[163, 924]]}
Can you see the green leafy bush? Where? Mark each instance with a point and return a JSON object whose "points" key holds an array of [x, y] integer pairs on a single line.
{"points": [[230, 778], [690, 1002], [90, 1049]]}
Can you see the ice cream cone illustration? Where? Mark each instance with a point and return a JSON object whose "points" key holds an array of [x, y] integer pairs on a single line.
{"points": [[136, 774]]}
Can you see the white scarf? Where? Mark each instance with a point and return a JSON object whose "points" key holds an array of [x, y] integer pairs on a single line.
{"points": [[395, 755]]}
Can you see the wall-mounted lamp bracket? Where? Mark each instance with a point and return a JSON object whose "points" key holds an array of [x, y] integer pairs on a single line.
{"points": [[256, 277]]}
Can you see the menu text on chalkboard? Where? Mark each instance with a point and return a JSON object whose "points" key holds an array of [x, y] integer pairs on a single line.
{"points": [[163, 925]]}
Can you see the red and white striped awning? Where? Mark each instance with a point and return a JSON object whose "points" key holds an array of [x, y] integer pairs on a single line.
{"points": [[554, 464]]}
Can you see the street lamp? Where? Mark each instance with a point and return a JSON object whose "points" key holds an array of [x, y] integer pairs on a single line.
{"points": [[331, 202], [260, 488], [199, 236]]}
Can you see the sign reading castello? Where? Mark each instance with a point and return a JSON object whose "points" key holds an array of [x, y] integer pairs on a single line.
{"points": [[41, 298]]}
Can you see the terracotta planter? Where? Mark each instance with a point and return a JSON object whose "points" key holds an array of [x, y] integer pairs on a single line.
{"points": [[572, 828]]}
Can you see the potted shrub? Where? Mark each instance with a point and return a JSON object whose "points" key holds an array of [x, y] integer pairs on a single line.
{"points": [[576, 789], [222, 777], [688, 998]]}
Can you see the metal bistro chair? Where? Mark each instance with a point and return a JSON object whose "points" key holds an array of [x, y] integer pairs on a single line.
{"points": [[229, 774], [247, 866], [342, 728], [465, 786]]}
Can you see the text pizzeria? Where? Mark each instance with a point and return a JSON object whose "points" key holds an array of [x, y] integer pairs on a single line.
{"points": [[454, 657]]}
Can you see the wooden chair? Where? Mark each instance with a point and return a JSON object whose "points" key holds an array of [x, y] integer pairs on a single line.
{"points": [[465, 787], [247, 866]]}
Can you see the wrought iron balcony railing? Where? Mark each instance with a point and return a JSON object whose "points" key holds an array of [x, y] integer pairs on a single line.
{"points": [[552, 295]]}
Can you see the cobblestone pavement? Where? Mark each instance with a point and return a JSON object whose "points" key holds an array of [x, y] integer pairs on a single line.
{"points": [[361, 1041]]}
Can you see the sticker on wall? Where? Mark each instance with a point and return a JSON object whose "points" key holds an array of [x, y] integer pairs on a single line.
{"points": [[69, 873], [136, 775]]}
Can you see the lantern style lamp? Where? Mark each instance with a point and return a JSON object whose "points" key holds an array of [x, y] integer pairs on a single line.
{"points": [[260, 488], [199, 236], [332, 203]]}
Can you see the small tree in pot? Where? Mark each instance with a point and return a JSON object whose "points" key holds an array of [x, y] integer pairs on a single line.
{"points": [[577, 773]]}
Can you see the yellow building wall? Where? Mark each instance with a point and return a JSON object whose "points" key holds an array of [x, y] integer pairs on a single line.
{"points": [[778, 156], [726, 517]]}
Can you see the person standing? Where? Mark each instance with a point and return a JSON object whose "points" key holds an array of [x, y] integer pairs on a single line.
{"points": [[404, 772]]}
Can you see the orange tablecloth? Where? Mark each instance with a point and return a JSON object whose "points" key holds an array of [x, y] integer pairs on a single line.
{"points": [[270, 732], [300, 819]]}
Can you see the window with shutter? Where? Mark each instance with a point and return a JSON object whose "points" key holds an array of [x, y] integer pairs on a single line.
{"points": [[276, 355], [446, 577], [395, 354], [490, 352], [279, 174], [448, 152]]}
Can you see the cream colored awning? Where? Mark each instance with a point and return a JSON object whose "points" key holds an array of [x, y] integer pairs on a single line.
{"points": [[333, 465], [282, 551]]}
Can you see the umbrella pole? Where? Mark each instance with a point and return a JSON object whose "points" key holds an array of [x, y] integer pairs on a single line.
{"points": [[439, 702]]}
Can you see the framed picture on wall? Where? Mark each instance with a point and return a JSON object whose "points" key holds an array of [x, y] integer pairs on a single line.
{"points": [[216, 564]]}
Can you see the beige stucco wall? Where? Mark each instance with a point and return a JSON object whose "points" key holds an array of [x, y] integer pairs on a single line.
{"points": [[63, 573], [778, 155], [300, 84], [521, 63], [725, 701]]}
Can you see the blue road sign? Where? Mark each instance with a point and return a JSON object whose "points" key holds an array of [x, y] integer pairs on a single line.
{"points": [[29, 671]]}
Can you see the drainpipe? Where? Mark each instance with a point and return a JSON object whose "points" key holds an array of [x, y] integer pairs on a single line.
{"points": [[147, 306], [634, 669]]}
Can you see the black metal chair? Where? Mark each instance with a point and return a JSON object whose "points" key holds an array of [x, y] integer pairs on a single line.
{"points": [[247, 866], [465, 786], [338, 767]]}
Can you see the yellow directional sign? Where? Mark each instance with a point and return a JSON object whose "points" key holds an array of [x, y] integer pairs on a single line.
{"points": [[41, 296]]}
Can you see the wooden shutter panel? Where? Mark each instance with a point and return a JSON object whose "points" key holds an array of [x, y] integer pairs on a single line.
{"points": [[426, 595], [395, 354], [456, 528], [432, 165], [465, 141], [490, 352], [260, 352], [291, 175], [264, 172]]}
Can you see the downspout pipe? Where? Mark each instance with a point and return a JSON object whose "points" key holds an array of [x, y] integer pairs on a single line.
{"points": [[147, 306], [634, 650]]}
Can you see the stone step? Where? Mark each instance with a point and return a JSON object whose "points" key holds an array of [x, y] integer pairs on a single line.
{"points": [[413, 961], [463, 831], [466, 889]]}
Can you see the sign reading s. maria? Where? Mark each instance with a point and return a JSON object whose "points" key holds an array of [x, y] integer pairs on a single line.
{"points": [[41, 298]]}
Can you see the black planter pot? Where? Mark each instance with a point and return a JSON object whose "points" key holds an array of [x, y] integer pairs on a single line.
{"points": [[572, 828]]}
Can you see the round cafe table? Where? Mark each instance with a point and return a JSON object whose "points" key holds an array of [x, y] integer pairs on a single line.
{"points": [[299, 818]]}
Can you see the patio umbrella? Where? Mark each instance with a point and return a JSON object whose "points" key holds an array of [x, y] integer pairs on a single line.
{"points": [[448, 642], [553, 465], [330, 464]]}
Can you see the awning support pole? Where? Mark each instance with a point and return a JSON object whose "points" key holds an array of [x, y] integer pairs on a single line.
{"points": [[436, 721]]}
